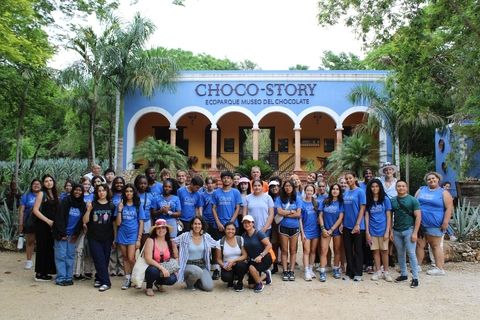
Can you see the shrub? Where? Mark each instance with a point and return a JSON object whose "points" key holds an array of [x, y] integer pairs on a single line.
{"points": [[246, 167]]}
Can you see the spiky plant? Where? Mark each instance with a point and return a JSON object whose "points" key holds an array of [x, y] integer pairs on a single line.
{"points": [[159, 154]]}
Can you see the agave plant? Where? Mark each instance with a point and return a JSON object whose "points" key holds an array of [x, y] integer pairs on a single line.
{"points": [[159, 154], [466, 220], [9, 222]]}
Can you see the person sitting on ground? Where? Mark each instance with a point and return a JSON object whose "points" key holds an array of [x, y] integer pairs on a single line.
{"points": [[158, 249]]}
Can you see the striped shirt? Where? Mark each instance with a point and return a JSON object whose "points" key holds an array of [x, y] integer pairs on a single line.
{"points": [[184, 240]]}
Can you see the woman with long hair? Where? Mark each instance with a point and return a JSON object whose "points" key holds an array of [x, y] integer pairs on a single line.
{"points": [[45, 208], [159, 248], [310, 231], [129, 219], [116, 266]]}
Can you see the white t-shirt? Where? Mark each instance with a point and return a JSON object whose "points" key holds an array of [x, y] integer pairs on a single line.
{"points": [[257, 207], [231, 253]]}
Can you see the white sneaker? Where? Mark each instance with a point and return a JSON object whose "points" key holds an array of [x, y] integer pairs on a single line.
{"points": [[377, 276], [453, 238], [387, 277], [312, 274], [307, 276], [436, 272], [28, 264]]}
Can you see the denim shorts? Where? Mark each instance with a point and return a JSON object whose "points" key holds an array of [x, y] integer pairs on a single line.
{"points": [[434, 232]]}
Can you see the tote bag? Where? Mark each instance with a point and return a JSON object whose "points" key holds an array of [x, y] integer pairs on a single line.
{"points": [[138, 272]]}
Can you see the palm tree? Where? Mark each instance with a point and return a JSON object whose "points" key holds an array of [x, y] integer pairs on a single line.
{"points": [[130, 67], [398, 124], [160, 154], [357, 152]]}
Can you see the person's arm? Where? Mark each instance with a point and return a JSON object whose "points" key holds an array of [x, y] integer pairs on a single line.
{"points": [[337, 223], [219, 257], [302, 231], [361, 213], [389, 225], [245, 210], [139, 234], [267, 246], [448, 203], [418, 220], [269, 221], [118, 220], [367, 224], [217, 220], [36, 210], [235, 213], [174, 250]]}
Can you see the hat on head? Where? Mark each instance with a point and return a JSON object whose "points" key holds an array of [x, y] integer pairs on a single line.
{"points": [[248, 218], [273, 183], [160, 223], [243, 180], [387, 165]]}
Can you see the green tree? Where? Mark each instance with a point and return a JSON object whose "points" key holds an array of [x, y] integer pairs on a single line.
{"points": [[298, 67], [186, 60], [341, 61], [159, 154]]}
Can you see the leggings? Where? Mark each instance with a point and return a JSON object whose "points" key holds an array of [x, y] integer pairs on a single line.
{"points": [[196, 277], [237, 273]]}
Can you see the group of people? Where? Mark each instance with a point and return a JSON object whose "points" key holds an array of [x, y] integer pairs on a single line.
{"points": [[231, 227]]}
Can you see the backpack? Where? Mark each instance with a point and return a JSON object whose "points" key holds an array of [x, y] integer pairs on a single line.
{"points": [[239, 242]]}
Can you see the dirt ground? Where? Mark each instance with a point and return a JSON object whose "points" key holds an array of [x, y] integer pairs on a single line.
{"points": [[455, 296]]}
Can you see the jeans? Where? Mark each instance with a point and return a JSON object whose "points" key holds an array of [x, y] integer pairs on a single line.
{"points": [[153, 275], [198, 277], [64, 259], [403, 243], [100, 251]]}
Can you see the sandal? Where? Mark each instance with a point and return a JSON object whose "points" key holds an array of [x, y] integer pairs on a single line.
{"points": [[149, 292]]}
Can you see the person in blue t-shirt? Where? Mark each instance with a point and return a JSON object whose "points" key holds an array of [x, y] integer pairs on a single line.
{"points": [[289, 209], [191, 202], [367, 176], [147, 202], [116, 267], [156, 188], [67, 189], [207, 199], [310, 230], [378, 222], [330, 219], [167, 206], [129, 220], [354, 201], [25, 210]]}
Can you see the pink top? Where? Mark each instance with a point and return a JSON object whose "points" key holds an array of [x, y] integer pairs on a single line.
{"points": [[159, 255]]}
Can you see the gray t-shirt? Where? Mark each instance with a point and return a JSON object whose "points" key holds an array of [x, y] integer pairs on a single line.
{"points": [[257, 207]]}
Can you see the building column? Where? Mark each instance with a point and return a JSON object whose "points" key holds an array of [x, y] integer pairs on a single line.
{"points": [[255, 147], [298, 148], [173, 136], [339, 141], [213, 162]]}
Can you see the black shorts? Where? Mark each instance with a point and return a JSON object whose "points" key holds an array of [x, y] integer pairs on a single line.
{"points": [[288, 232], [263, 266]]}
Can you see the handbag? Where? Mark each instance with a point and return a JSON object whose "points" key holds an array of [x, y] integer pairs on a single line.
{"points": [[171, 265], [278, 218], [138, 272]]}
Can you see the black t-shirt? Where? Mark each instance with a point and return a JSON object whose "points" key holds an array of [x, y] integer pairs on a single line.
{"points": [[100, 226], [253, 245]]}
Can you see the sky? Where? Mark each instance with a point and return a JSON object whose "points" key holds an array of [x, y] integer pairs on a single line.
{"points": [[275, 34]]}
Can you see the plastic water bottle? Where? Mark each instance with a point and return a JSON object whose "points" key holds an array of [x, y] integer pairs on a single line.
{"points": [[21, 242]]}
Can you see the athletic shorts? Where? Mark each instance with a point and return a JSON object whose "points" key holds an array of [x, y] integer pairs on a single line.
{"points": [[288, 232]]}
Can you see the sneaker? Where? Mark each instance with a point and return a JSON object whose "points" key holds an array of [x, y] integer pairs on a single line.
{"points": [[78, 277], [230, 284], [453, 238], [387, 277], [97, 284], [113, 274], [61, 284], [88, 276], [104, 287], [216, 275], [268, 278], [414, 283], [68, 282], [337, 273], [370, 270], [357, 278], [258, 287], [323, 276], [312, 274], [401, 278], [28, 265], [436, 272], [42, 278], [126, 284], [291, 276], [377, 276], [307, 276], [238, 287], [275, 268], [285, 276]]}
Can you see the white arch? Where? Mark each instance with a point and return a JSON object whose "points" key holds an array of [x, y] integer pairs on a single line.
{"points": [[131, 128], [350, 111], [333, 115], [180, 113], [249, 114], [280, 109]]}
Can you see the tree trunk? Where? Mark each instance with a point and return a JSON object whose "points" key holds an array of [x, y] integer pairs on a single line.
{"points": [[90, 149], [117, 124], [21, 117], [110, 142], [407, 164]]}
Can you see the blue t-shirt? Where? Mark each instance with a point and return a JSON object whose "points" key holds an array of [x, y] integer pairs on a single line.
{"points": [[207, 207], [226, 202], [147, 202], [432, 206], [189, 201], [74, 215], [288, 222], [331, 213], [363, 185], [172, 200], [27, 200], [377, 221], [310, 220], [128, 229], [88, 197], [352, 200], [116, 198], [156, 188], [63, 195]]}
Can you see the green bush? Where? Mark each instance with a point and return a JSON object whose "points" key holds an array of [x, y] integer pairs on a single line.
{"points": [[246, 167], [419, 166]]}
